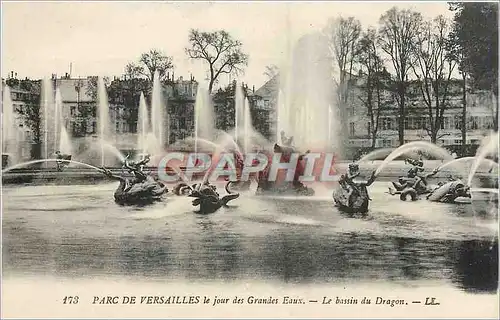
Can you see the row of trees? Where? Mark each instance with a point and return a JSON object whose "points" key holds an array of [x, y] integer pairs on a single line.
{"points": [[404, 49], [221, 53], [418, 52], [218, 50]]}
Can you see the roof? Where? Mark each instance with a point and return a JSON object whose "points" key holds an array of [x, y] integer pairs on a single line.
{"points": [[269, 88]]}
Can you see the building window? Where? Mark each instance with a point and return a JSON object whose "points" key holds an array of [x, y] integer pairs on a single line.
{"points": [[81, 109], [133, 127], [182, 123], [175, 123], [417, 123], [74, 129], [352, 130], [447, 123], [386, 123], [473, 123], [73, 110], [117, 127], [351, 112], [458, 123], [386, 143]]}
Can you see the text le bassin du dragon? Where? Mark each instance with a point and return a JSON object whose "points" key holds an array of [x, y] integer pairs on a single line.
{"points": [[249, 300]]}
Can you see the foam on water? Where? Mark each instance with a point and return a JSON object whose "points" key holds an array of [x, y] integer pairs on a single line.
{"points": [[387, 214], [298, 220]]}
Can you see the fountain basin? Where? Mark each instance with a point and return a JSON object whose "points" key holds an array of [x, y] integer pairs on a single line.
{"points": [[71, 175], [75, 175]]}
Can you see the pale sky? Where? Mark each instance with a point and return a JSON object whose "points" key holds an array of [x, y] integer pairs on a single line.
{"points": [[100, 38]]}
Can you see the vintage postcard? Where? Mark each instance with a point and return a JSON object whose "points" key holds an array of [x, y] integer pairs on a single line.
{"points": [[249, 159]]}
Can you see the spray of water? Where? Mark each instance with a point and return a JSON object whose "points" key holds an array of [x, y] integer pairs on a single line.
{"points": [[489, 146], [227, 142], [65, 145], [104, 123], [427, 147], [142, 124], [61, 136], [24, 164], [204, 116], [106, 146], [248, 127], [181, 175], [48, 109], [57, 117], [376, 155], [239, 111], [158, 113], [462, 163], [307, 89]]}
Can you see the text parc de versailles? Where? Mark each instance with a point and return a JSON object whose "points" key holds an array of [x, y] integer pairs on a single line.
{"points": [[252, 300], [193, 300]]}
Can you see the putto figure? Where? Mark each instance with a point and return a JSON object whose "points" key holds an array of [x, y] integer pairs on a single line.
{"points": [[414, 183], [142, 188], [137, 168], [352, 196], [62, 160], [286, 141], [280, 186]]}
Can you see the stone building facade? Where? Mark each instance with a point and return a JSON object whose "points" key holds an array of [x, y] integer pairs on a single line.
{"points": [[481, 110]]}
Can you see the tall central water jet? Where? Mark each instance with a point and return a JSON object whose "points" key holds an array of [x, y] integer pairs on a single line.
{"points": [[158, 112], [239, 105], [104, 123], [142, 124], [58, 115], [48, 118], [61, 136], [488, 147], [204, 125], [308, 92], [248, 127]]}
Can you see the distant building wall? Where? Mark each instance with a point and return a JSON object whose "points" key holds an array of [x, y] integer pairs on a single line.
{"points": [[480, 113]]}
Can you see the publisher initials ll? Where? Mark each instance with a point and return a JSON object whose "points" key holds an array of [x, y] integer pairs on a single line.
{"points": [[431, 301]]}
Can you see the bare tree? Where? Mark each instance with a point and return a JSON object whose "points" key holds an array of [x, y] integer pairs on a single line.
{"points": [[149, 63], [398, 31], [343, 35], [371, 66], [433, 68], [219, 50], [456, 53], [91, 85]]}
